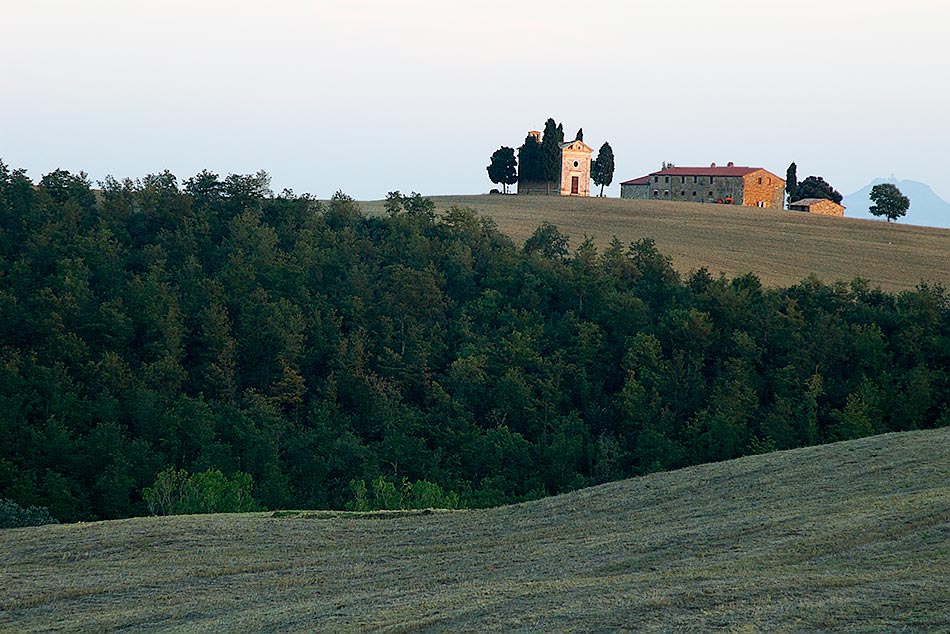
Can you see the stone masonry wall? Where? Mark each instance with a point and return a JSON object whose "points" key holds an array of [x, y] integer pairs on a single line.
{"points": [[696, 189], [638, 192], [537, 188], [826, 208], [763, 189], [575, 163]]}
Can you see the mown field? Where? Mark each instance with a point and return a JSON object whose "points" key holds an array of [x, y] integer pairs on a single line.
{"points": [[781, 247], [853, 537]]}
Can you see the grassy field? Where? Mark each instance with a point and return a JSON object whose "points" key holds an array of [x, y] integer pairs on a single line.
{"points": [[781, 247], [853, 536]]}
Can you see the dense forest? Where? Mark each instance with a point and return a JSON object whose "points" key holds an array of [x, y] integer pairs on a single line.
{"points": [[154, 327]]}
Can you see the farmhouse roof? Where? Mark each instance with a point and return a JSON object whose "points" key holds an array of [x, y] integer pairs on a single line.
{"points": [[808, 202], [729, 170], [643, 180]]}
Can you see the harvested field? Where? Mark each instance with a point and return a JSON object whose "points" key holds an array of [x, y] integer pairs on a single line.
{"points": [[852, 536], [781, 247]]}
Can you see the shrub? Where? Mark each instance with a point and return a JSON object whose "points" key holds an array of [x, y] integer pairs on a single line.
{"points": [[12, 515], [386, 494], [176, 492]]}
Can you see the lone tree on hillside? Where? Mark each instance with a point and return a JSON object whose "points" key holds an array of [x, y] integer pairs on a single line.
{"points": [[530, 165], [791, 182], [503, 167], [888, 201], [816, 187], [602, 167]]}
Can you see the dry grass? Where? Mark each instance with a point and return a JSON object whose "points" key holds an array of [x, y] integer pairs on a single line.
{"points": [[853, 536], [781, 247]]}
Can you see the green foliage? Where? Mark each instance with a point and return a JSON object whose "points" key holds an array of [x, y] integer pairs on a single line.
{"points": [[888, 201], [551, 140], [791, 183], [602, 167], [503, 167], [223, 329], [12, 515], [816, 187], [386, 494], [176, 492], [548, 241], [530, 161]]}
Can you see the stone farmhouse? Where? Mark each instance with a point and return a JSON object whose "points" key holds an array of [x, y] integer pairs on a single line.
{"points": [[574, 178], [820, 206], [732, 184]]}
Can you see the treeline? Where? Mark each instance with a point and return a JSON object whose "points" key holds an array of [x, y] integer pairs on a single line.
{"points": [[211, 327]]}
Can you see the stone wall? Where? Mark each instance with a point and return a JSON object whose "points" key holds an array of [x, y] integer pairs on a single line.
{"points": [[638, 192], [825, 208], [763, 189], [575, 162], [696, 189], [537, 188]]}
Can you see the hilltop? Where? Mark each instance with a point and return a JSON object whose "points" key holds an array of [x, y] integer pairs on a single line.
{"points": [[849, 536], [781, 247]]}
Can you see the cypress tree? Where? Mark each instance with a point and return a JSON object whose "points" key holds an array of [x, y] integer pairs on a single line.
{"points": [[530, 168], [791, 181], [551, 151], [602, 168]]}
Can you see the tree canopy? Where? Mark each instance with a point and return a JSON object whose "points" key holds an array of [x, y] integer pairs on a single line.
{"points": [[791, 182], [888, 201], [602, 167], [816, 187], [274, 350], [551, 140], [503, 168], [530, 163]]}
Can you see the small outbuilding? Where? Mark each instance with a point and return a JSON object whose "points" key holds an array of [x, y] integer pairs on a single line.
{"points": [[820, 206], [638, 188]]}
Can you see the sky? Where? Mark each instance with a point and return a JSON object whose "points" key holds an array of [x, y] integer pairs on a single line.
{"points": [[371, 96]]}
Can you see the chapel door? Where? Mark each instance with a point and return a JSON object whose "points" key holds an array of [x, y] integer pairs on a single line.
{"points": [[575, 185]]}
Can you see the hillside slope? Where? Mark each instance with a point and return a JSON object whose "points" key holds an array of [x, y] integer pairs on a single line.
{"points": [[781, 247], [849, 536]]}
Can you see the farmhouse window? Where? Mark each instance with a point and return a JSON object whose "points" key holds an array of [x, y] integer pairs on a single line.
{"points": [[666, 192], [656, 193], [711, 180], [656, 179], [695, 179], [667, 180], [694, 193], [760, 180], [682, 193]]}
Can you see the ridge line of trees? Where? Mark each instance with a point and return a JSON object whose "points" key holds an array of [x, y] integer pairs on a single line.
{"points": [[294, 349]]}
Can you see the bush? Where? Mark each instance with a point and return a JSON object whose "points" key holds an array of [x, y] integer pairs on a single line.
{"points": [[176, 492], [12, 515], [386, 494]]}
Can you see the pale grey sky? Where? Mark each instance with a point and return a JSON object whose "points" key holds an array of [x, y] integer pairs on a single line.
{"points": [[369, 96]]}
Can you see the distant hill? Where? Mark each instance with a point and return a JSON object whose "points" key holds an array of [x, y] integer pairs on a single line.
{"points": [[844, 537], [926, 207]]}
